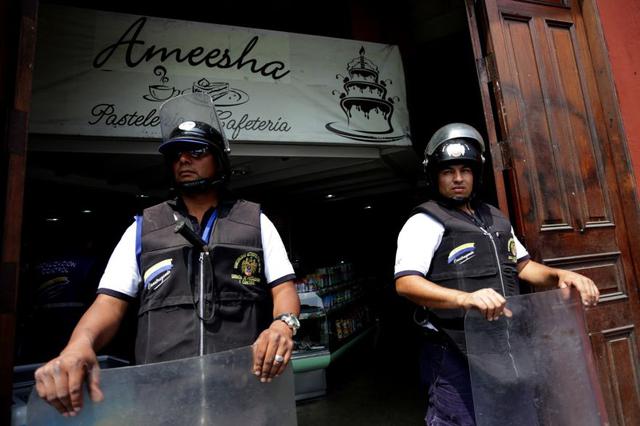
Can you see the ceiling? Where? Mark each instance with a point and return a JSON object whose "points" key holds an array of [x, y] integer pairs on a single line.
{"points": [[264, 173], [322, 178]]}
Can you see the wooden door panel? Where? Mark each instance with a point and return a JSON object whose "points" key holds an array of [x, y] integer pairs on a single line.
{"points": [[568, 197], [622, 358], [545, 203], [604, 268], [616, 349], [562, 3], [559, 157], [575, 116]]}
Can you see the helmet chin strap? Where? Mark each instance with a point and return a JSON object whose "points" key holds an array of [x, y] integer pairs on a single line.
{"points": [[199, 185], [454, 202]]}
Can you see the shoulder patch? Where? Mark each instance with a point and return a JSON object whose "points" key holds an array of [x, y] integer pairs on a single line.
{"points": [[462, 253], [157, 274]]}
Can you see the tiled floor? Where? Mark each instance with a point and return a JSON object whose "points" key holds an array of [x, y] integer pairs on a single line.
{"points": [[375, 384]]}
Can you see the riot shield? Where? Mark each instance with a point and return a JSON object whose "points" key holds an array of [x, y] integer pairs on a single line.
{"points": [[217, 389], [536, 367], [189, 107]]}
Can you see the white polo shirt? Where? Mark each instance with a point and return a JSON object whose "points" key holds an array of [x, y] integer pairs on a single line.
{"points": [[419, 239], [123, 276]]}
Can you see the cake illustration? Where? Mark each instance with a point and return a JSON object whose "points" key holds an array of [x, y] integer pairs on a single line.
{"points": [[363, 100], [221, 92], [216, 89]]}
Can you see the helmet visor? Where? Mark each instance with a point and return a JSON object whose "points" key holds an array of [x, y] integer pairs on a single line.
{"points": [[183, 109]]}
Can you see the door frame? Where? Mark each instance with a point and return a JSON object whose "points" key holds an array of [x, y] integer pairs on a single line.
{"points": [[17, 54]]}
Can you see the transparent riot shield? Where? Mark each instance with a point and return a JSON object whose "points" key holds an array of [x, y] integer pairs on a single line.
{"points": [[189, 107], [536, 367], [217, 389]]}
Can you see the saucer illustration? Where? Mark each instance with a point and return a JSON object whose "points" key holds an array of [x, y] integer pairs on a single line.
{"points": [[359, 135], [231, 98]]}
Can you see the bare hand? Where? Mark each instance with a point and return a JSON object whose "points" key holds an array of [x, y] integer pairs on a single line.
{"points": [[586, 287], [272, 351], [489, 302], [59, 382]]}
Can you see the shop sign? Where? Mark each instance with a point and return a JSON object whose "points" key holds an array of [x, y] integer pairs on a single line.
{"points": [[107, 74]]}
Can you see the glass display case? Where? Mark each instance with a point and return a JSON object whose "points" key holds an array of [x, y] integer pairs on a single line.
{"points": [[334, 316]]}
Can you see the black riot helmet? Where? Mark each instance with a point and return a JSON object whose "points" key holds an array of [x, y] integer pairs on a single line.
{"points": [[189, 122], [455, 143]]}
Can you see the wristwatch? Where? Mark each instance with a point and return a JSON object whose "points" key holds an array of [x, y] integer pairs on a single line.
{"points": [[291, 320]]}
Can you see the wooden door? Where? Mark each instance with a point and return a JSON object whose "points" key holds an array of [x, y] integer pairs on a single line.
{"points": [[17, 53], [560, 157]]}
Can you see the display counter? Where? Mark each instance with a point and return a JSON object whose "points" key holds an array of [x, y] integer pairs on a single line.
{"points": [[334, 317]]}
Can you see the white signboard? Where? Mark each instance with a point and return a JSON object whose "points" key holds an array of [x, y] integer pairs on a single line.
{"points": [[106, 74]]}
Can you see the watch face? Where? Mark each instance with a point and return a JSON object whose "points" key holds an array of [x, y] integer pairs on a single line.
{"points": [[295, 321]]}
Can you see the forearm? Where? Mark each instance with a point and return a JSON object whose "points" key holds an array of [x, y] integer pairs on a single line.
{"points": [[426, 293], [272, 350], [423, 292], [99, 323], [540, 275], [537, 274], [285, 299]]}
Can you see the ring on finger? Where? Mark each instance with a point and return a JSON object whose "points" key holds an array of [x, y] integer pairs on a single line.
{"points": [[278, 359], [56, 368]]}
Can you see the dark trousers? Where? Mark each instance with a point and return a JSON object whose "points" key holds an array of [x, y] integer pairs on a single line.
{"points": [[446, 372]]}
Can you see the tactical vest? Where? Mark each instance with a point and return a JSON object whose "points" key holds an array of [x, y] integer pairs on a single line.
{"points": [[472, 255], [237, 301]]}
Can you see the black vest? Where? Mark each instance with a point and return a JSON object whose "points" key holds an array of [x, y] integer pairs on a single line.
{"points": [[472, 255], [237, 297]]}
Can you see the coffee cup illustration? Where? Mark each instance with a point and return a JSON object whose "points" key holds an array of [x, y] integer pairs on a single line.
{"points": [[162, 92]]}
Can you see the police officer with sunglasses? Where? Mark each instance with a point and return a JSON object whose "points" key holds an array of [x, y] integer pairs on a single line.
{"points": [[223, 281]]}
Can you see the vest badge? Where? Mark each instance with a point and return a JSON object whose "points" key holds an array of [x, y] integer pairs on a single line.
{"points": [[247, 269], [157, 274], [513, 255], [462, 253]]}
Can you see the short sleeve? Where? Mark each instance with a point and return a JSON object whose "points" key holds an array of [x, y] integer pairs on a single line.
{"points": [[278, 268], [418, 240], [122, 275]]}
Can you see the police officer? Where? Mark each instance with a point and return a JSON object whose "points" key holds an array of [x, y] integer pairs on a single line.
{"points": [[457, 253], [210, 271]]}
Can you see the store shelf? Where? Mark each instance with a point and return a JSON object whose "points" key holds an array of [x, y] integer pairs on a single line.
{"points": [[334, 318], [342, 305], [309, 367], [332, 314], [334, 288], [313, 360], [312, 315]]}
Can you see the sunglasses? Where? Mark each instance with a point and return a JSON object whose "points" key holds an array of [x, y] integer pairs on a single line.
{"points": [[193, 153]]}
